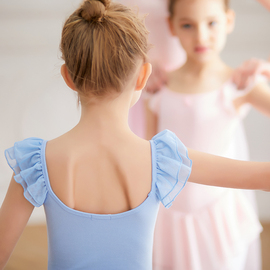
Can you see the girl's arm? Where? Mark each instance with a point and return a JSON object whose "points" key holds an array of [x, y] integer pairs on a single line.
{"points": [[151, 122], [14, 215], [259, 98], [223, 172]]}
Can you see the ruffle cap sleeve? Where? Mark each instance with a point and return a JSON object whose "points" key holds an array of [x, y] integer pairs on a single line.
{"points": [[173, 166], [24, 158]]}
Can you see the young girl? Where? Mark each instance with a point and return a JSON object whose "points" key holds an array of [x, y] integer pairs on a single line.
{"points": [[202, 106], [100, 184]]}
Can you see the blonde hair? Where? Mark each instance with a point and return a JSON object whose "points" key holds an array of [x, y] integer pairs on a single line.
{"points": [[101, 44], [171, 4]]}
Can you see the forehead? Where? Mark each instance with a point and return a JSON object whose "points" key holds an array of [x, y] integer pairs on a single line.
{"points": [[195, 9]]}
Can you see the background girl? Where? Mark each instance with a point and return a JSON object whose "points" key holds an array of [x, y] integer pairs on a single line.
{"points": [[203, 107], [163, 54]]}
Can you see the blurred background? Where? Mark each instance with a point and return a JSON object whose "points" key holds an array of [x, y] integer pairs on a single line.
{"points": [[251, 38], [36, 103]]}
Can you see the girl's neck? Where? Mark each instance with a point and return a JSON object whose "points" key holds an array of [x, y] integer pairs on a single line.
{"points": [[103, 118], [201, 69], [199, 77]]}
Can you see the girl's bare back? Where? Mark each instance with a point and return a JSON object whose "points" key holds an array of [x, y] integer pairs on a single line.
{"points": [[99, 176]]}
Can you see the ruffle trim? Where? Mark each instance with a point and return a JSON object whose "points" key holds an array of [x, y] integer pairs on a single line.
{"points": [[173, 166], [207, 239], [24, 158]]}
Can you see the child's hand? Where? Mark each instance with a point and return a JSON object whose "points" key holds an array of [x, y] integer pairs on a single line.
{"points": [[157, 79], [244, 74]]}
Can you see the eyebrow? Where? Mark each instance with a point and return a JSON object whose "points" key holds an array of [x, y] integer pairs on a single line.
{"points": [[185, 19], [189, 19]]}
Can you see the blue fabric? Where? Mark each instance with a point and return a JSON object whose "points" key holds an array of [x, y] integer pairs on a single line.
{"points": [[79, 240], [25, 160], [173, 166]]}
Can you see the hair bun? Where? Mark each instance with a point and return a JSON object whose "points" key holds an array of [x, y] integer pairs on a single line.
{"points": [[93, 10]]}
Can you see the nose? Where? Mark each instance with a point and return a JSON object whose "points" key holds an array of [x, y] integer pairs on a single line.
{"points": [[202, 33]]}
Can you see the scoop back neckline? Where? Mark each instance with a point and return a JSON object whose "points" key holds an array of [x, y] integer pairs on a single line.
{"points": [[94, 215]]}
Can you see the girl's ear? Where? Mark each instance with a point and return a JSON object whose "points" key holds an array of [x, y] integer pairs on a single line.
{"points": [[144, 74], [170, 24], [230, 20], [66, 77]]}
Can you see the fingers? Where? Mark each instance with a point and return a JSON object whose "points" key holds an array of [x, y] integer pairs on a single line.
{"points": [[244, 75]]}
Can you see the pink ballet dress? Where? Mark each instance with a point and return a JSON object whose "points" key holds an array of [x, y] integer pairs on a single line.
{"points": [[166, 51], [207, 228]]}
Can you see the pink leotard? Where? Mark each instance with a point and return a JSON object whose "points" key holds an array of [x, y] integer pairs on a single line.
{"points": [[207, 226]]}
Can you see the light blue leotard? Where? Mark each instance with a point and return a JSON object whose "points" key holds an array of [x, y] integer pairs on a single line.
{"points": [[79, 240]]}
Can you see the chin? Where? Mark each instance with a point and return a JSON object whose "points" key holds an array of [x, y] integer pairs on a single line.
{"points": [[205, 57]]}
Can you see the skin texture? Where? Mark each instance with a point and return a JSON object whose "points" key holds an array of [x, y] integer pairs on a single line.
{"points": [[14, 214]]}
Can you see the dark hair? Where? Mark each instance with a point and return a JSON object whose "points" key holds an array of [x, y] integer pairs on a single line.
{"points": [[101, 44], [171, 4]]}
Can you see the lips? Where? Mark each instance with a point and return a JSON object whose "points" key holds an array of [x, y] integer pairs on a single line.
{"points": [[201, 49]]}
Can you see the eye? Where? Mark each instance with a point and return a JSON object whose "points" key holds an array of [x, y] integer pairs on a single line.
{"points": [[186, 26], [212, 23]]}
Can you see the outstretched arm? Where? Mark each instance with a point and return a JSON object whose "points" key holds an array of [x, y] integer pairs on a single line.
{"points": [[223, 172], [14, 215]]}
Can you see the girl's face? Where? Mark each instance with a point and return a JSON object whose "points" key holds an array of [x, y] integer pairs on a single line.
{"points": [[202, 27]]}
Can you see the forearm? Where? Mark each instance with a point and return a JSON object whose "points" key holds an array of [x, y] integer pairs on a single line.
{"points": [[217, 171], [259, 98]]}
